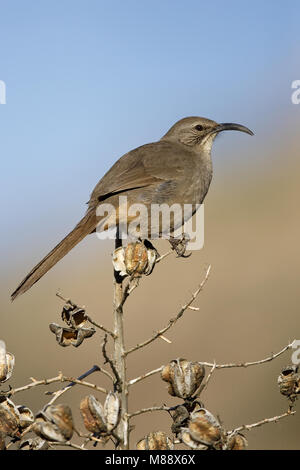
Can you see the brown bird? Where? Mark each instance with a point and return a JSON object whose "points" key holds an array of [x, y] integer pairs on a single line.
{"points": [[177, 169]]}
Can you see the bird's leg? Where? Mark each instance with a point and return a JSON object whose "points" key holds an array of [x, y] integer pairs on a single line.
{"points": [[179, 245]]}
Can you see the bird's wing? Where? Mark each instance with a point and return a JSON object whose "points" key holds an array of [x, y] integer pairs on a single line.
{"points": [[147, 165]]}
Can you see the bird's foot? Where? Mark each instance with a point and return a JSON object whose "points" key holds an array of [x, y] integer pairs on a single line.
{"points": [[179, 245]]}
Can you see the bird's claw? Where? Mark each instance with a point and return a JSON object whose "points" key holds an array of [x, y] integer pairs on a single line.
{"points": [[179, 245]]}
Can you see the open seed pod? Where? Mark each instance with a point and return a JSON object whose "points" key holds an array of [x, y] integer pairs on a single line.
{"points": [[205, 428], [55, 423], [236, 441], [26, 416], [93, 415], [74, 316], [184, 377], [135, 259], [289, 382], [66, 336], [180, 418], [9, 419], [7, 362], [155, 441], [185, 437], [33, 444], [112, 411]]}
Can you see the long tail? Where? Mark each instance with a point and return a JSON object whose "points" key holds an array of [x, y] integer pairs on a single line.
{"points": [[83, 228]]}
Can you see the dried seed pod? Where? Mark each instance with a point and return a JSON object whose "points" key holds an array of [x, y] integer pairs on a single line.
{"points": [[186, 438], [93, 415], [155, 441], [26, 416], [55, 423], [9, 423], [70, 336], [236, 441], [180, 418], [205, 428], [135, 259], [61, 416], [34, 444], [74, 316], [7, 362], [112, 411], [288, 382], [184, 377]]}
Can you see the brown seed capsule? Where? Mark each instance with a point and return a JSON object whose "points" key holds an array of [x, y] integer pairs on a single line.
{"points": [[184, 377], [74, 316], [7, 362], [70, 336], [180, 418], [155, 441], [26, 416], [205, 428], [236, 442], [34, 444], [112, 411], [93, 414], [9, 423], [55, 423], [288, 381], [135, 259], [185, 437]]}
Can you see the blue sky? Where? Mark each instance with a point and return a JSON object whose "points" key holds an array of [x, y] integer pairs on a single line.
{"points": [[89, 80]]}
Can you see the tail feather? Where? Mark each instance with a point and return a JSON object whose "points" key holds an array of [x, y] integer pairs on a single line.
{"points": [[83, 228]]}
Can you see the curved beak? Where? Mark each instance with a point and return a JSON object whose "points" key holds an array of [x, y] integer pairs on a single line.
{"points": [[230, 126]]}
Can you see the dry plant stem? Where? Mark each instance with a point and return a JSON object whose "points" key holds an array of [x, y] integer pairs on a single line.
{"points": [[59, 378], [173, 320], [216, 366], [144, 376], [149, 410], [58, 393], [248, 427], [248, 364], [205, 383], [119, 357]]}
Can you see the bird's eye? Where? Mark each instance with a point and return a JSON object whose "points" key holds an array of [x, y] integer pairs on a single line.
{"points": [[199, 127]]}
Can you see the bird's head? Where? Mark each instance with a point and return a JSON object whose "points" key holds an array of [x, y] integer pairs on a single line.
{"points": [[199, 133]]}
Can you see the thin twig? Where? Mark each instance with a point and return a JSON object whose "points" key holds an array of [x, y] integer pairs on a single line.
{"points": [[248, 364], [66, 444], [248, 427], [148, 410], [144, 376], [58, 393], [173, 320], [59, 378]]}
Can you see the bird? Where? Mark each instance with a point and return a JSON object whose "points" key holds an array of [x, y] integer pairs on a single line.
{"points": [[177, 169]]}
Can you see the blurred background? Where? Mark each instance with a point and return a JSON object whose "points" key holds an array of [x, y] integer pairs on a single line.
{"points": [[88, 81]]}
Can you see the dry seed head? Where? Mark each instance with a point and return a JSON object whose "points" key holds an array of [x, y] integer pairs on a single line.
{"points": [[236, 442], [204, 428], [135, 259], [289, 381], [93, 414], [155, 441], [74, 316], [184, 377], [112, 410], [7, 362]]}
